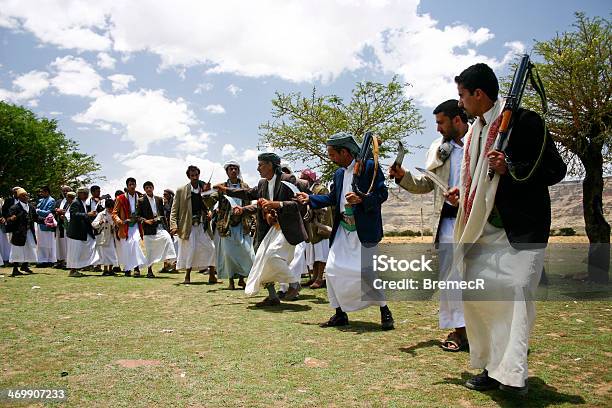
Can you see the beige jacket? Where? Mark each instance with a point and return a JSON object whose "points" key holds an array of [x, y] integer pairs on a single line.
{"points": [[420, 184], [180, 214]]}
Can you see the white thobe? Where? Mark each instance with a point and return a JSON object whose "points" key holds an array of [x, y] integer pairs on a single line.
{"points": [[451, 307], [46, 246], [498, 330], [197, 252], [5, 245], [129, 251], [271, 261], [343, 269], [26, 253]]}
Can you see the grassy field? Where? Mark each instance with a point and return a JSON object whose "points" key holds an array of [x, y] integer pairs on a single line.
{"points": [[207, 346]]}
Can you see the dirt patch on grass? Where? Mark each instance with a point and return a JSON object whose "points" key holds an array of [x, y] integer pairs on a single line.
{"points": [[137, 363]]}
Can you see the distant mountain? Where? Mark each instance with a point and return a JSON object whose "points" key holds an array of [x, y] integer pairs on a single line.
{"points": [[402, 211]]}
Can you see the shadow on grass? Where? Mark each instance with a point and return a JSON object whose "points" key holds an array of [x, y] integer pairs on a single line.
{"points": [[423, 344], [541, 395], [359, 327], [230, 304], [33, 273], [354, 326], [289, 307], [142, 277], [191, 284], [312, 299]]}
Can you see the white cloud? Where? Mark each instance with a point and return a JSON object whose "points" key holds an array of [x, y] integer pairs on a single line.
{"points": [[27, 87], [146, 117], [106, 61], [291, 39], [73, 24], [228, 150], [193, 143], [215, 109], [69, 75], [233, 89], [120, 82], [166, 172], [32, 84], [75, 76], [430, 58], [203, 87], [250, 154]]}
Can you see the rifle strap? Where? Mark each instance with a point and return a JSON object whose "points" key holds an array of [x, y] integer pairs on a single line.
{"points": [[538, 86]]}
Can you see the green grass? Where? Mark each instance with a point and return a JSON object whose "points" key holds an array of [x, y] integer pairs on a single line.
{"points": [[223, 352]]}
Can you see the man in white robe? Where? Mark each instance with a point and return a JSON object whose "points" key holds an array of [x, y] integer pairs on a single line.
{"points": [[20, 222], [502, 229], [189, 221], [81, 248], [443, 159], [129, 230], [158, 243], [279, 229], [357, 223]]}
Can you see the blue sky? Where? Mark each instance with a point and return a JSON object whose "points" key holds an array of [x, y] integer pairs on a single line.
{"points": [[150, 87]]}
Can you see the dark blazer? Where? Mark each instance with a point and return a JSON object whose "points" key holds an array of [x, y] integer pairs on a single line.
{"points": [[80, 223], [6, 206], [289, 217], [24, 222], [524, 206], [368, 218], [144, 210]]}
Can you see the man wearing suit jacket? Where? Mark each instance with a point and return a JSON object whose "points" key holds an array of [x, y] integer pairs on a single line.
{"points": [[189, 220], [129, 230], [275, 244], [20, 222], [81, 245], [158, 243], [506, 219], [5, 237], [357, 223]]}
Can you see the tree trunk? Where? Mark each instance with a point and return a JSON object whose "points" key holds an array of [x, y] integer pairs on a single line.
{"points": [[597, 229]]}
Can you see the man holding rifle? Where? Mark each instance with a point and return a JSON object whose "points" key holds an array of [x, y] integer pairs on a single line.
{"points": [[357, 223], [502, 227]]}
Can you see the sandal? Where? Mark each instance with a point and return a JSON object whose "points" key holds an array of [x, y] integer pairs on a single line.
{"points": [[454, 342]]}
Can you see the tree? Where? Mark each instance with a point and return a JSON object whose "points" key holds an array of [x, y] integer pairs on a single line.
{"points": [[576, 73], [34, 152], [301, 124]]}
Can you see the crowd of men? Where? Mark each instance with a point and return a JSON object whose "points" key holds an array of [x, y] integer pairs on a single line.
{"points": [[491, 223]]}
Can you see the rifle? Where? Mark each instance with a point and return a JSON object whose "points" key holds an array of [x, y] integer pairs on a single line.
{"points": [[360, 162], [513, 102]]}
